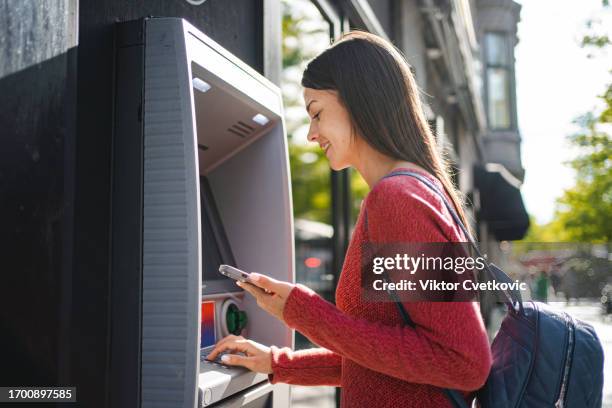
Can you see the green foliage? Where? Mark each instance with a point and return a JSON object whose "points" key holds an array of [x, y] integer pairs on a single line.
{"points": [[594, 38], [584, 212], [292, 56], [359, 189], [310, 183], [554, 231], [596, 41]]}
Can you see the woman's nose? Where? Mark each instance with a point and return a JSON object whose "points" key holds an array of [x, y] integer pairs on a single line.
{"points": [[313, 133]]}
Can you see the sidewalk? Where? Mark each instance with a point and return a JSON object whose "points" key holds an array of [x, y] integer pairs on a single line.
{"points": [[309, 397]]}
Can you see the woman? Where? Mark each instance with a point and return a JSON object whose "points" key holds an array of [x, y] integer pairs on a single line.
{"points": [[365, 112]]}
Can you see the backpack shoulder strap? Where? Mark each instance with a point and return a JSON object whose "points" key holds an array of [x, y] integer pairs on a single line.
{"points": [[514, 297]]}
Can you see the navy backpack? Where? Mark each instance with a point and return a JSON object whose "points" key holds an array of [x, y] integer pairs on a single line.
{"points": [[541, 357]]}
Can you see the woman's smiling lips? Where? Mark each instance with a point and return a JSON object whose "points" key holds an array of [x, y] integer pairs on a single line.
{"points": [[325, 146]]}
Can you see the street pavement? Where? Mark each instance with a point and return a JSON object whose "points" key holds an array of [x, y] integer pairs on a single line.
{"points": [[310, 397], [588, 311]]}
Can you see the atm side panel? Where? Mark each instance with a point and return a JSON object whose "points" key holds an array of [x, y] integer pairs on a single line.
{"points": [[171, 233], [126, 231]]}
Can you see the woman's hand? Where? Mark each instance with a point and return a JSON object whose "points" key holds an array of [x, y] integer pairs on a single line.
{"points": [[258, 357], [271, 294]]}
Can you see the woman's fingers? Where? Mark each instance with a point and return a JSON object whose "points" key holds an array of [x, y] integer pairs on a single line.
{"points": [[229, 337], [264, 282], [223, 345], [262, 298], [230, 342], [234, 359], [252, 289], [258, 357], [270, 294]]}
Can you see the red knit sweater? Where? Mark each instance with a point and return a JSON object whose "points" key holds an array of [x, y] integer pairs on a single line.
{"points": [[365, 347]]}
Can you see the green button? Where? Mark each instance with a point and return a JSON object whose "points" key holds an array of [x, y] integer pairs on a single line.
{"points": [[236, 320]]}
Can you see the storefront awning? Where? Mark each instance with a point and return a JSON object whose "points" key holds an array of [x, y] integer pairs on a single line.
{"points": [[501, 203]]}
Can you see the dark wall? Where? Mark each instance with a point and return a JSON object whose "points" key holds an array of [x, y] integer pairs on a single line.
{"points": [[55, 126], [37, 118]]}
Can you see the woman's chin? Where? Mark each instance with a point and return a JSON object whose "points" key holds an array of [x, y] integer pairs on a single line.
{"points": [[337, 166]]}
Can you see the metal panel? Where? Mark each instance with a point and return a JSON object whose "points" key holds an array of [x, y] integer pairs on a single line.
{"points": [[171, 225]]}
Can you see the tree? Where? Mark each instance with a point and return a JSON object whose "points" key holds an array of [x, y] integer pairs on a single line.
{"points": [[584, 212]]}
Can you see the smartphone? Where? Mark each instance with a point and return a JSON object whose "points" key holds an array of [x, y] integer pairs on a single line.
{"points": [[234, 273]]}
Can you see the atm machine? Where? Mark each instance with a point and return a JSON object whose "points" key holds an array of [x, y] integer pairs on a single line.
{"points": [[200, 178]]}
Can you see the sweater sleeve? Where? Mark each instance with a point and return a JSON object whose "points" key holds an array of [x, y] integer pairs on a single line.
{"points": [[316, 366], [448, 347]]}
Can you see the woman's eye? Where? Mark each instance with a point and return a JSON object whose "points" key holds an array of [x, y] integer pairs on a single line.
{"points": [[316, 116]]}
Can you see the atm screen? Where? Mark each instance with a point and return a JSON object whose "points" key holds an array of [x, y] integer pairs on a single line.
{"points": [[216, 249], [207, 328]]}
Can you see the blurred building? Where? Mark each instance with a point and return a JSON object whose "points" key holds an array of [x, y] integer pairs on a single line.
{"points": [[462, 53]]}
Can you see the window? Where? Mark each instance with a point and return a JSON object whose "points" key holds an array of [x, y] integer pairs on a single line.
{"points": [[497, 60]]}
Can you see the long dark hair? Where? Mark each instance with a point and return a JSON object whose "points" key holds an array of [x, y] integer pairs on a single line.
{"points": [[376, 86]]}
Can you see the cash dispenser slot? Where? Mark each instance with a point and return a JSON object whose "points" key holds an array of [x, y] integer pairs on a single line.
{"points": [[200, 178]]}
